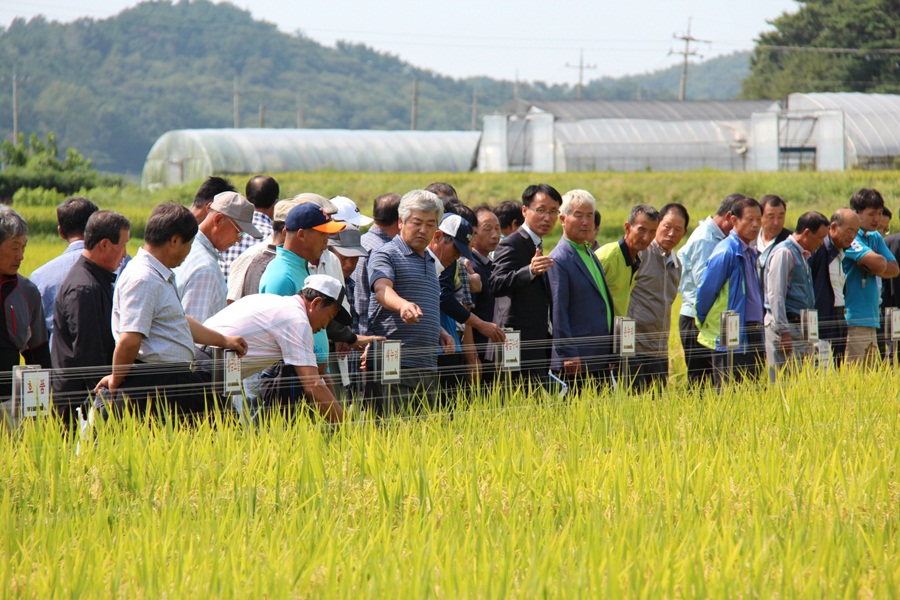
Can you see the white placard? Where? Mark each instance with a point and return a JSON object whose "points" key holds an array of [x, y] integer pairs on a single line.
{"points": [[732, 327], [232, 374], [627, 333], [823, 354], [344, 370], [33, 385], [810, 320], [390, 361], [895, 324], [512, 351]]}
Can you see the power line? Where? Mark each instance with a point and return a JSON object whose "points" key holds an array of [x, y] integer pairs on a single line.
{"points": [[687, 38]]}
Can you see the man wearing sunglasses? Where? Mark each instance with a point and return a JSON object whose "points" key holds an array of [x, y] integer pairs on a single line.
{"points": [[201, 284]]}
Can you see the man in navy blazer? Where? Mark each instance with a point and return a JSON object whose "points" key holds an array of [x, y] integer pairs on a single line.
{"points": [[582, 303], [520, 275]]}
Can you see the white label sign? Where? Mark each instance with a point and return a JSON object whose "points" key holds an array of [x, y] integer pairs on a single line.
{"points": [[732, 326], [390, 361], [895, 324], [232, 375], [811, 325], [33, 383], [512, 351], [823, 354], [627, 333]]}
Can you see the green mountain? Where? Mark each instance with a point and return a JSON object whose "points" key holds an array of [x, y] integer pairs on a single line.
{"points": [[111, 87]]}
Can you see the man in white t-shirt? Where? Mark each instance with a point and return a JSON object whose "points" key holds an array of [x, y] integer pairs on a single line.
{"points": [[281, 328]]}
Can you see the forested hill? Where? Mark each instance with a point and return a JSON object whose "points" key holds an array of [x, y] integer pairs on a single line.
{"points": [[111, 87]]}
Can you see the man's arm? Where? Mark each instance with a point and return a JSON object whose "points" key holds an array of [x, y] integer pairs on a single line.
{"points": [[320, 394], [392, 301], [778, 276], [209, 337], [123, 357], [714, 276], [508, 275]]}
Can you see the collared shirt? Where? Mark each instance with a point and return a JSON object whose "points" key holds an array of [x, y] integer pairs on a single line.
{"points": [[371, 240], [837, 277], [693, 258], [83, 328], [414, 279], [237, 272], [538, 240], [50, 276], [620, 270], [264, 224], [655, 287], [862, 297], [789, 283], [200, 282], [754, 310], [584, 252], [146, 301]]}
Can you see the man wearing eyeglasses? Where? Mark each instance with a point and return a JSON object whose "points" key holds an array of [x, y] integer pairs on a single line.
{"points": [[201, 284], [519, 276]]}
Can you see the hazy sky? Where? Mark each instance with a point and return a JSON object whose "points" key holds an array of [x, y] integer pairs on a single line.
{"points": [[497, 38]]}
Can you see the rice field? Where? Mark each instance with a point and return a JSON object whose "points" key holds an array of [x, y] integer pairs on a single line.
{"points": [[787, 491]]}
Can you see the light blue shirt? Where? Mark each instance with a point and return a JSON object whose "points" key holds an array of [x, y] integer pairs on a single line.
{"points": [[49, 277], [693, 258], [862, 296], [200, 282]]}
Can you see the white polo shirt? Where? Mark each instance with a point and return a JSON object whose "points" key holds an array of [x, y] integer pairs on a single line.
{"points": [[274, 327]]}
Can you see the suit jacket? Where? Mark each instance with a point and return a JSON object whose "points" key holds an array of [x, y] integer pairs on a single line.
{"points": [[580, 324], [528, 309]]}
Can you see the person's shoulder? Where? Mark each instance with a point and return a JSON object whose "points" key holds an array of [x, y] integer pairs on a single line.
{"points": [[607, 250], [26, 285]]}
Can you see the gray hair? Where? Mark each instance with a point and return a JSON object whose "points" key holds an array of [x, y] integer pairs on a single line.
{"points": [[11, 224], [574, 198], [420, 200]]}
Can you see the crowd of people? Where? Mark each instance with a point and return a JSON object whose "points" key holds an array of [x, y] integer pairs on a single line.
{"points": [[303, 288]]}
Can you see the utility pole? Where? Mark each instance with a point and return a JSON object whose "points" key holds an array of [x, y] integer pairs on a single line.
{"points": [[262, 116], [581, 67], [15, 90], [474, 109], [414, 117], [237, 104], [687, 38]]}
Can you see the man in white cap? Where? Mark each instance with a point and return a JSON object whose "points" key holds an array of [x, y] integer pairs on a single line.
{"points": [[201, 284], [281, 328], [348, 212]]}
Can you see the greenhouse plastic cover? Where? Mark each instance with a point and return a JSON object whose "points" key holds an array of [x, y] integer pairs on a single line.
{"points": [[193, 154]]}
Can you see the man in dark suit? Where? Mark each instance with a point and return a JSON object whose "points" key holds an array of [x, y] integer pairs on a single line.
{"points": [[520, 274], [582, 303]]}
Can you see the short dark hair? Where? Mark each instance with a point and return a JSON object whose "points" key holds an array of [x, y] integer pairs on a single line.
{"points": [[386, 209], [310, 294], [262, 191], [104, 225], [73, 214], [277, 227], [540, 188], [886, 212], [811, 220], [596, 218], [737, 209], [866, 198], [440, 188], [643, 209], [509, 212], [168, 220], [728, 203], [675, 207], [483, 207], [772, 200], [211, 188], [458, 208]]}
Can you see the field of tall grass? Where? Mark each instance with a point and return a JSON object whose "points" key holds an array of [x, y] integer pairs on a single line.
{"points": [[760, 490]]}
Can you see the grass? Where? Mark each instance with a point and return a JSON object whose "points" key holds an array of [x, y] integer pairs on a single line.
{"points": [[773, 491]]}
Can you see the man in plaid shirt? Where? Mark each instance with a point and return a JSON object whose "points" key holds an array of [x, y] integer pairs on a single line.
{"points": [[262, 192]]}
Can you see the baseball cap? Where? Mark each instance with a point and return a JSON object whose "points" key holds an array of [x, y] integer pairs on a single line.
{"points": [[311, 216], [331, 287], [461, 232], [317, 200], [282, 208], [347, 242], [232, 204], [348, 212]]}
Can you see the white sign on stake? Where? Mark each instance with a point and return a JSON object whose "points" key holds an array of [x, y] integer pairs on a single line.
{"points": [[33, 386], [512, 351], [390, 361], [232, 375], [627, 333], [810, 318], [895, 325], [732, 327]]}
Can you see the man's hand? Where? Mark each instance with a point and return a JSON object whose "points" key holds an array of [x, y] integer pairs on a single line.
{"points": [[448, 344], [110, 382], [785, 342], [540, 264], [491, 331], [236, 343], [410, 313], [362, 341], [573, 366]]}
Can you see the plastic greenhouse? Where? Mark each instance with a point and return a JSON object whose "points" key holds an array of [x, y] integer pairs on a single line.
{"points": [[193, 154]]}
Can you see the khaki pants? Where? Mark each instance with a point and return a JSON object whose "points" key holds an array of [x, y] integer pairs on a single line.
{"points": [[862, 345]]}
